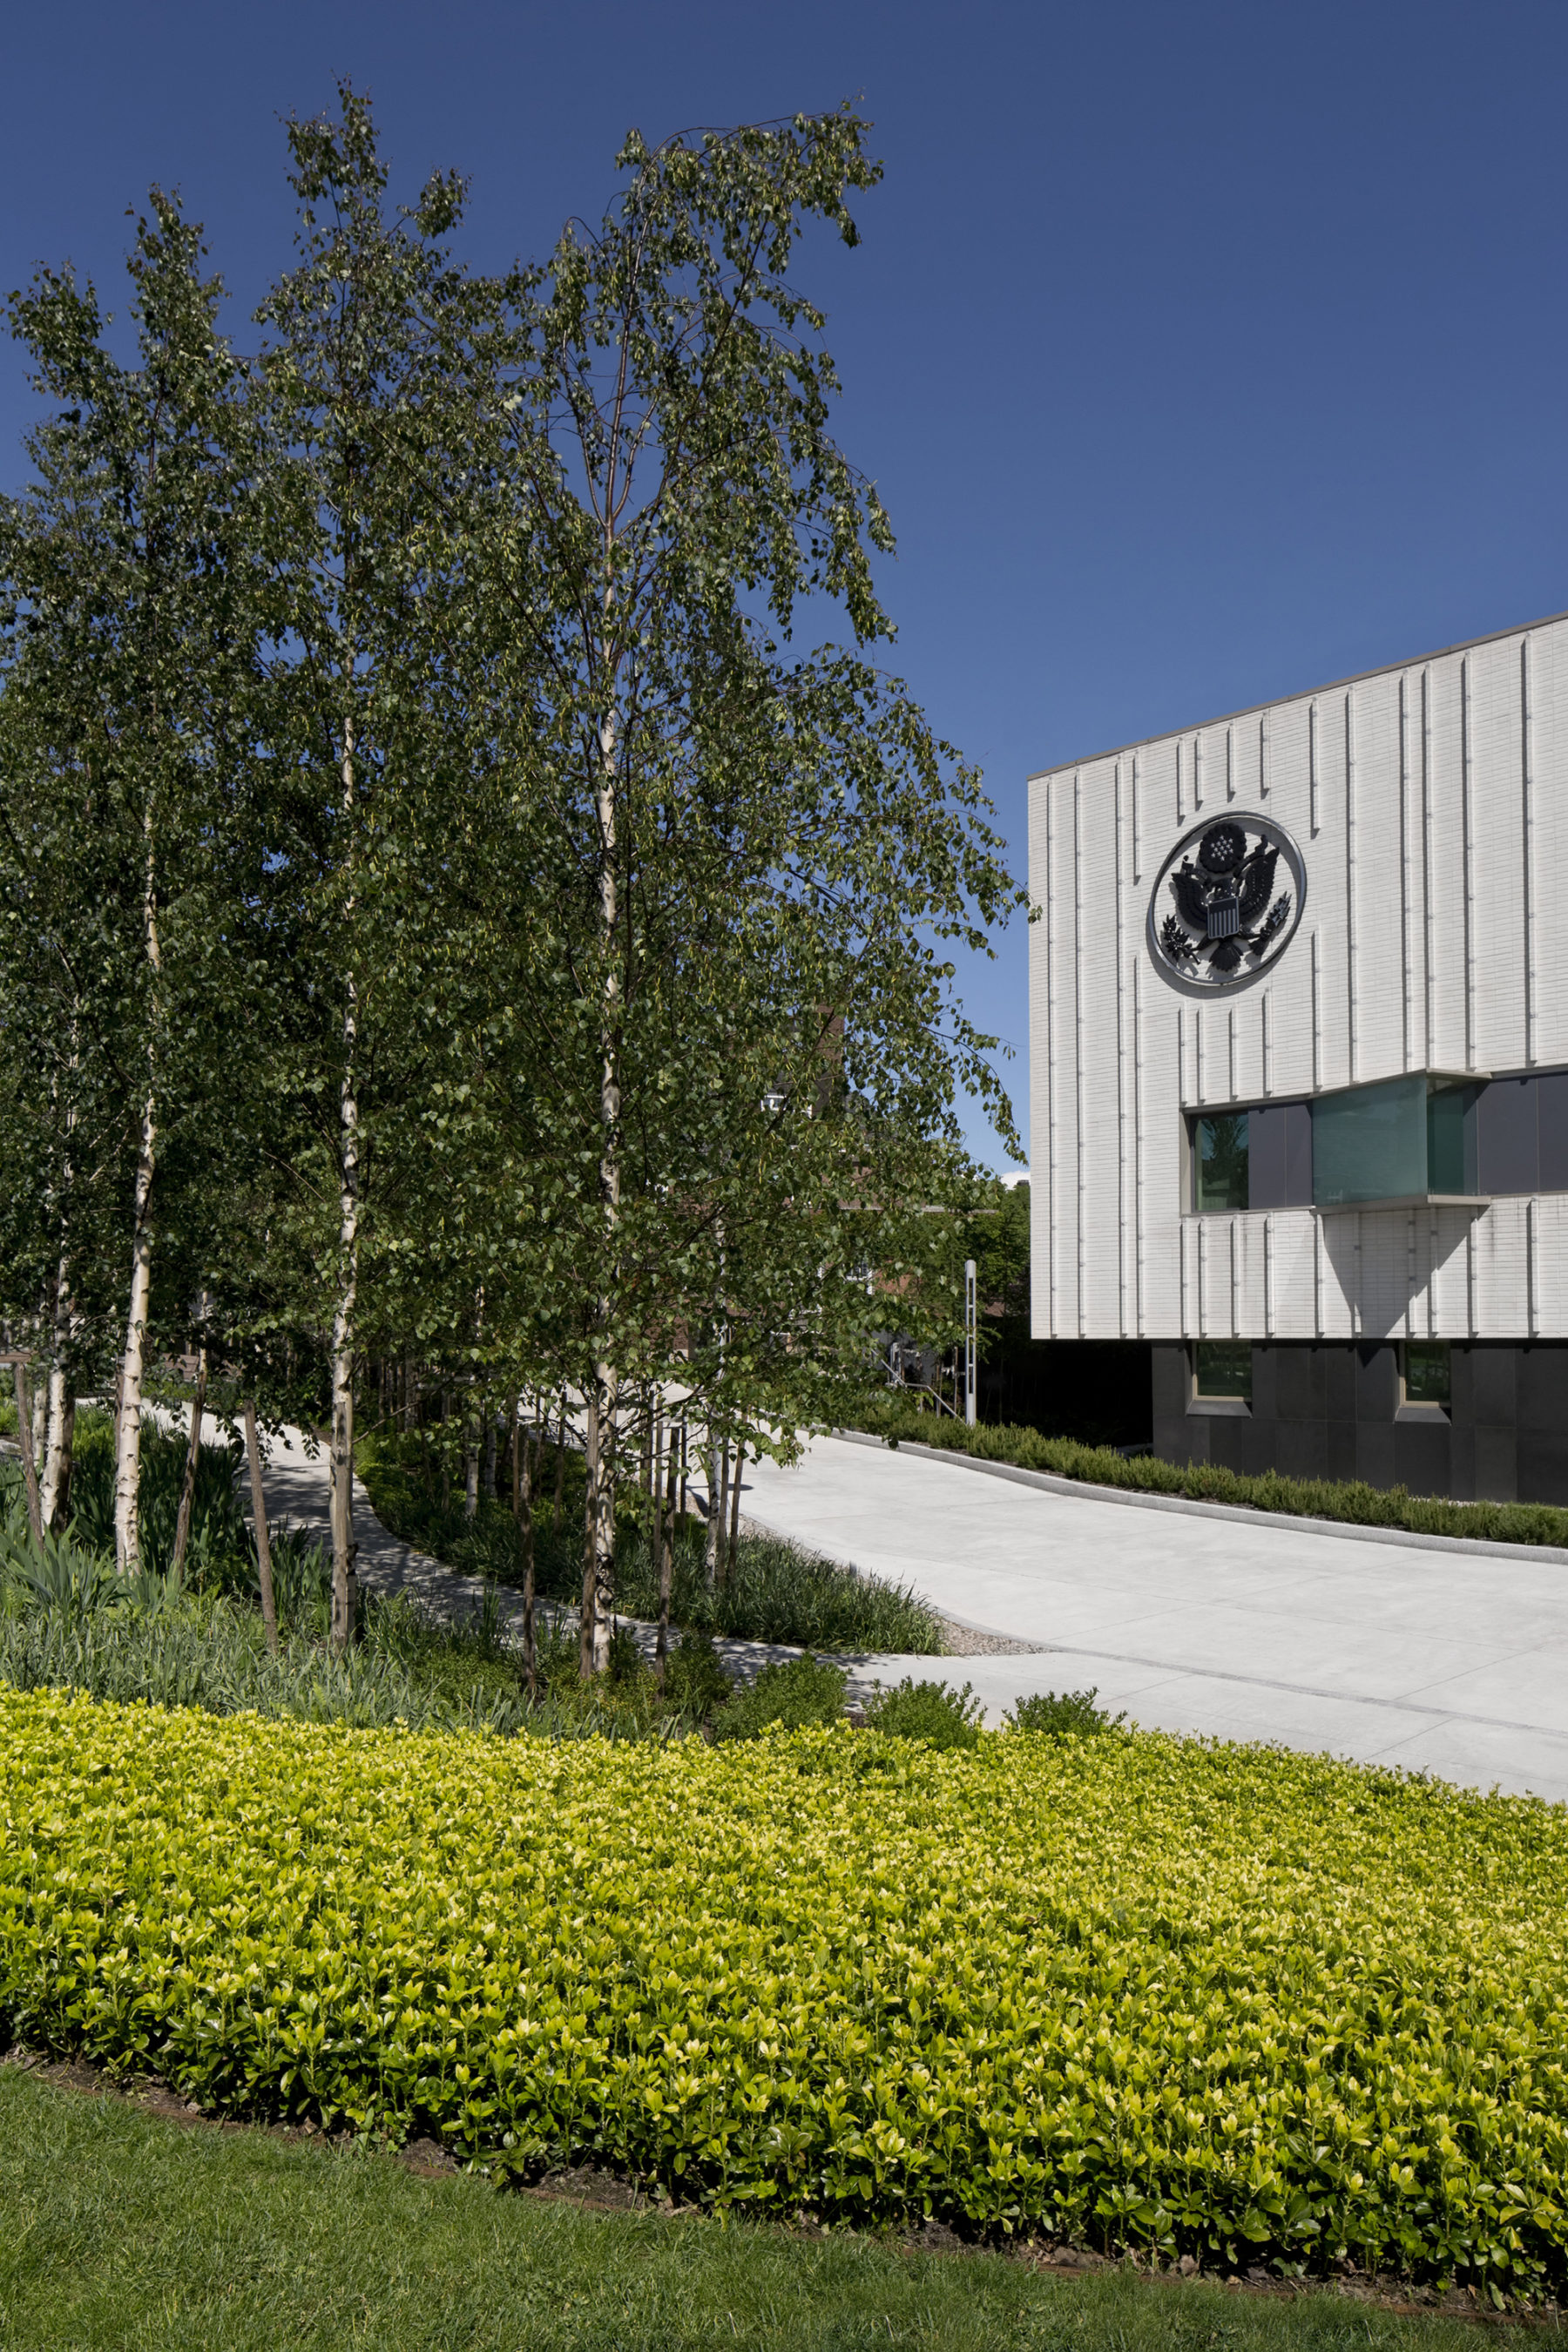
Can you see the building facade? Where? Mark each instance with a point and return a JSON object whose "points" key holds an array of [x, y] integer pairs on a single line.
{"points": [[1298, 1047]]}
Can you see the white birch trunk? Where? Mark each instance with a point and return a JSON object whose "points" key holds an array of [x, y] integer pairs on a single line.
{"points": [[128, 1431], [598, 1580], [345, 1551]]}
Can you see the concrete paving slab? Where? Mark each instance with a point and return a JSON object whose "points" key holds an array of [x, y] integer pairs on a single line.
{"points": [[1443, 1660]]}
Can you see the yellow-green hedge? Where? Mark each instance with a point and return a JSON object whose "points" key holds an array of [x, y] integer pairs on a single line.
{"points": [[1218, 1997]]}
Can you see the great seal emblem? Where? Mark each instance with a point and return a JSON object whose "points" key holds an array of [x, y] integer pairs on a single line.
{"points": [[1222, 912]]}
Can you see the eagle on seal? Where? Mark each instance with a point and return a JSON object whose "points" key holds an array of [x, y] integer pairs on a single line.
{"points": [[1223, 903]]}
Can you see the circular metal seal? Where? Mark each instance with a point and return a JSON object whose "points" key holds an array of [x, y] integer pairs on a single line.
{"points": [[1225, 903]]}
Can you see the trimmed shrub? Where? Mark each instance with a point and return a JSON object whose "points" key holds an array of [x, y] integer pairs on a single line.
{"points": [[1314, 1498], [800, 1691], [695, 1680], [1249, 2004], [1063, 1714], [928, 1711]]}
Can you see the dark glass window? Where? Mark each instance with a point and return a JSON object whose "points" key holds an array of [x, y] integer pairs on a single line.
{"points": [[1451, 1139], [1426, 1372], [1369, 1143], [1223, 1367], [1220, 1161]]}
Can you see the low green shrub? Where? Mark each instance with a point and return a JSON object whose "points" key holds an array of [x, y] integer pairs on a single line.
{"points": [[694, 1679], [928, 1711], [1314, 1498], [1061, 1714], [797, 1692], [1258, 2006]]}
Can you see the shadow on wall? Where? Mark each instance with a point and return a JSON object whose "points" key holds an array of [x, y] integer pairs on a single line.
{"points": [[1097, 1390], [1395, 1268]]}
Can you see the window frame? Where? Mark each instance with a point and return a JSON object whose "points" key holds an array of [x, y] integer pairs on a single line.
{"points": [[1218, 1407], [1411, 1408]]}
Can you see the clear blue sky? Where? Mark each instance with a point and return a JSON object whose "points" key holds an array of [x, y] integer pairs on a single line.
{"points": [[1201, 352]]}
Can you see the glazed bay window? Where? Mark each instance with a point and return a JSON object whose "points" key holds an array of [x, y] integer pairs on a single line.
{"points": [[1222, 1371], [1406, 1139]]}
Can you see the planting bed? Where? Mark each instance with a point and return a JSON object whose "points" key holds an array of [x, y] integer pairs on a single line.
{"points": [[1126, 1989]]}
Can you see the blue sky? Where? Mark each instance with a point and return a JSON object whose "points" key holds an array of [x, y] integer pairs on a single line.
{"points": [[1201, 352]]}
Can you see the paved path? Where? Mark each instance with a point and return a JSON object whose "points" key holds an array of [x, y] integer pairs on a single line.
{"points": [[1439, 1660]]}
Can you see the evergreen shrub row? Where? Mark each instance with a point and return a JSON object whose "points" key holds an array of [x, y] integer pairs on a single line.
{"points": [[1250, 2004], [1315, 1498]]}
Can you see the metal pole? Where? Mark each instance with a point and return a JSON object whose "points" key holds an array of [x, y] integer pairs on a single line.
{"points": [[969, 1340]]}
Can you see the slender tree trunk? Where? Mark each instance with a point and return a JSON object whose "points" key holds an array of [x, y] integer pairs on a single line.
{"points": [[410, 1396], [193, 1458], [522, 1504], [263, 1540], [599, 1526], [488, 1482], [604, 1395], [61, 1455], [718, 1505], [471, 1439], [661, 1544], [734, 1513], [60, 1416], [29, 1460], [128, 1431], [560, 1465], [345, 1551]]}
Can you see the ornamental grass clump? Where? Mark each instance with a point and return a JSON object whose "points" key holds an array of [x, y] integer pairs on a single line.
{"points": [[1236, 2002]]}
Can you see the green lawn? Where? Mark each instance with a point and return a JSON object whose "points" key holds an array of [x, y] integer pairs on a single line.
{"points": [[119, 2229]]}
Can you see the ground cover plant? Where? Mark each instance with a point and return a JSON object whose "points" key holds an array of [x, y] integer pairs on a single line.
{"points": [[776, 1593], [898, 1421], [125, 2227], [1263, 2006]]}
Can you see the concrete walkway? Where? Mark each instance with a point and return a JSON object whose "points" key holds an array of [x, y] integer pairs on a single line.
{"points": [[1439, 1660]]}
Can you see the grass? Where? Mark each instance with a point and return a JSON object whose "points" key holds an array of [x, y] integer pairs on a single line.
{"points": [[778, 1594], [1349, 1500], [122, 2229]]}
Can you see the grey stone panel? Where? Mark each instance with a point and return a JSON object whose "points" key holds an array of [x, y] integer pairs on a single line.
{"points": [[1374, 1453], [1340, 1450], [1301, 1449], [1541, 1375], [1493, 1397], [1340, 1383], [1265, 1158], [1508, 1149], [1497, 1468], [1265, 1383], [1300, 1383], [1298, 1156], [1377, 1382], [1182, 1440], [1422, 1451], [1540, 1462], [1168, 1364], [1462, 1461], [1552, 1130]]}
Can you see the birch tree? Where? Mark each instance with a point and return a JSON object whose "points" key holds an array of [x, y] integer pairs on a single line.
{"points": [[746, 1043], [128, 659]]}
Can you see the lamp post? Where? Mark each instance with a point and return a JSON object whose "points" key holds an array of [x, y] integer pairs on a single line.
{"points": [[969, 1340]]}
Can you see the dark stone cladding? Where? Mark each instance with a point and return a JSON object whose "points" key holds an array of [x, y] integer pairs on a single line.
{"points": [[1328, 1409]]}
